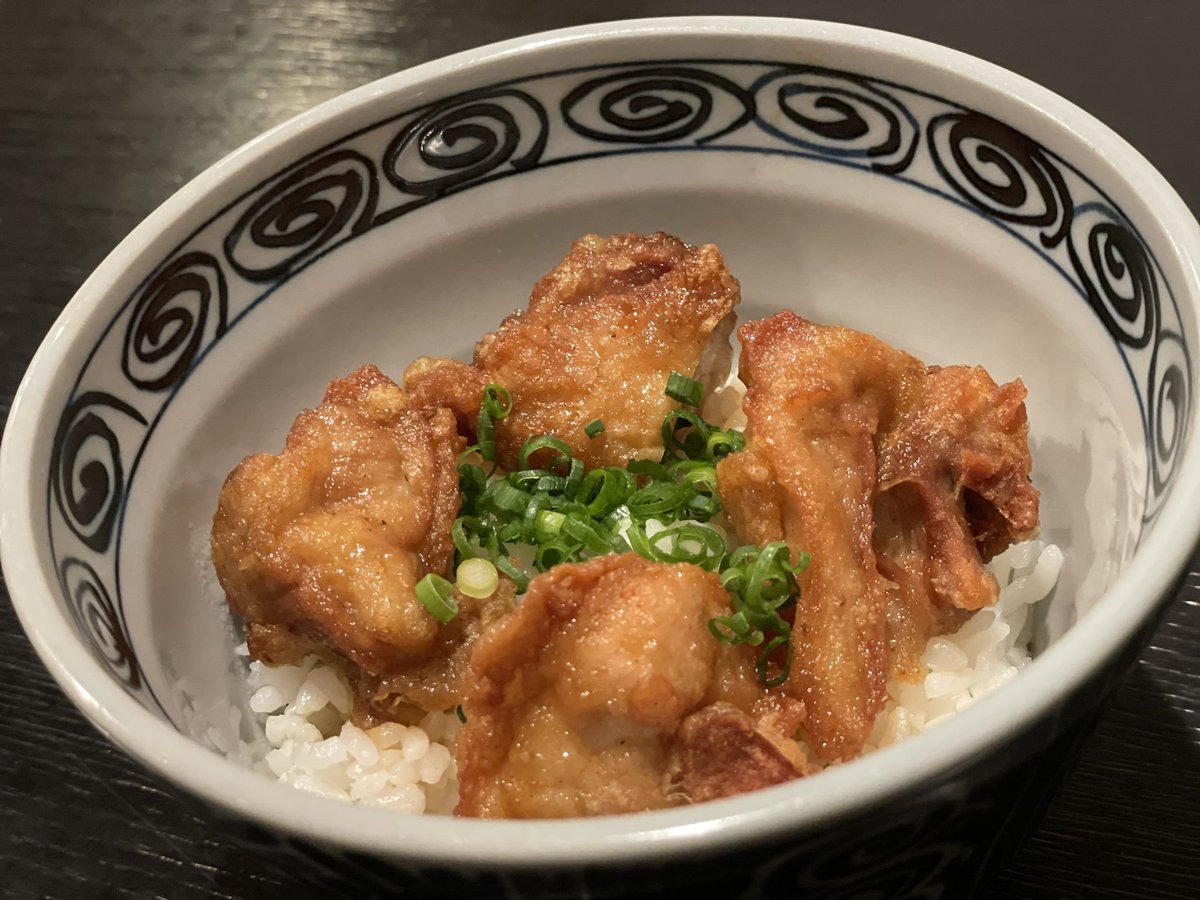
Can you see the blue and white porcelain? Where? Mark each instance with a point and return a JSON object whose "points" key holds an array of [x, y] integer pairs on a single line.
{"points": [[945, 204]]}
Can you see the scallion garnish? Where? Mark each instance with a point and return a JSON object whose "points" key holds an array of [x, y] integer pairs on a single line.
{"points": [[437, 596], [686, 390], [562, 451], [553, 510], [477, 578], [496, 405]]}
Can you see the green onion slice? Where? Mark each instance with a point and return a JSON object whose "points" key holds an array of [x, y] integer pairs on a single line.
{"points": [[685, 390], [545, 442], [496, 404], [593, 428], [505, 565], [501, 495], [695, 434], [477, 578], [497, 401], [437, 596], [660, 497], [583, 531], [780, 640], [722, 443]]}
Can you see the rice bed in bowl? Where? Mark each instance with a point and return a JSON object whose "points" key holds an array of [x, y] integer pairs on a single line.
{"points": [[306, 739]]}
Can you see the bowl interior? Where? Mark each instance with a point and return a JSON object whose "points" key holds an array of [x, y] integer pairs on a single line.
{"points": [[407, 228]]}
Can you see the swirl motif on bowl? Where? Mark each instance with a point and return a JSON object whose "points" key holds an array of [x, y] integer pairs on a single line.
{"points": [[87, 477], [1169, 406], [839, 115], [97, 616], [466, 139], [655, 105], [1001, 172], [171, 321], [301, 213]]}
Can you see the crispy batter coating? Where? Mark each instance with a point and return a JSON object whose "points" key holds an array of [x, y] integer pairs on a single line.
{"points": [[720, 751], [877, 466], [602, 332], [578, 695], [954, 491], [432, 382], [808, 477], [319, 547]]}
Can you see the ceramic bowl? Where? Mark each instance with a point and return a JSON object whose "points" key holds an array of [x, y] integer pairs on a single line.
{"points": [[949, 206]]}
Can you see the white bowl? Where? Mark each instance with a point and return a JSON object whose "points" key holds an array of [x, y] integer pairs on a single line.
{"points": [[945, 204]]}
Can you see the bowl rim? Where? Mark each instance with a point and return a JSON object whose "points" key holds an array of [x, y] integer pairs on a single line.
{"points": [[1140, 590]]}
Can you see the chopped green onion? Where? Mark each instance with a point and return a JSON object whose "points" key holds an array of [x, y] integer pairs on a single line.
{"points": [[554, 510], [660, 497], [697, 473], [603, 490], [690, 543], [584, 532], [735, 629], [548, 524], [466, 548], [574, 477], [635, 536], [695, 431], [551, 554], [472, 482], [685, 390], [722, 443], [656, 471], [545, 442], [496, 404], [504, 564], [511, 531], [780, 640], [497, 401], [462, 716], [437, 596], [477, 578], [503, 496], [704, 506]]}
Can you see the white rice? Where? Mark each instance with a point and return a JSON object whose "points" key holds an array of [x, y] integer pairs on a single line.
{"points": [[309, 742], [988, 650]]}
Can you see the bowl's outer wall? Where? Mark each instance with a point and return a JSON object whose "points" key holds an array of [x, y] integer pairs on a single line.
{"points": [[940, 839]]}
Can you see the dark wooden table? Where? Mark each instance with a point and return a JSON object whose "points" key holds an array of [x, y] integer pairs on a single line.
{"points": [[106, 108]]}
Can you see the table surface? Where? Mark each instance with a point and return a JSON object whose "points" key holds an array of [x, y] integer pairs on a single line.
{"points": [[107, 108]]}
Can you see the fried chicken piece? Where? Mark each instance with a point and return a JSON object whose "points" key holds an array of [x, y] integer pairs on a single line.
{"points": [[577, 696], [603, 331], [432, 382], [815, 399], [440, 681], [720, 751], [319, 548], [894, 477], [954, 490]]}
